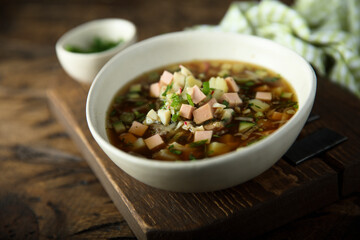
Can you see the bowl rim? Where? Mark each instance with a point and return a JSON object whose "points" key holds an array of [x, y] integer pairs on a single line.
{"points": [[73, 31], [217, 160]]}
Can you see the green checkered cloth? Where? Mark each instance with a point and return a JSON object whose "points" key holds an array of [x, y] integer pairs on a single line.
{"points": [[325, 32]]}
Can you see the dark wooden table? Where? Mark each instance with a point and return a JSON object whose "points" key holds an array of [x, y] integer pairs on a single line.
{"points": [[47, 189]]}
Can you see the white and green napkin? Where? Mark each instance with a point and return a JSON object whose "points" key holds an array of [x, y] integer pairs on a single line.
{"points": [[324, 32]]}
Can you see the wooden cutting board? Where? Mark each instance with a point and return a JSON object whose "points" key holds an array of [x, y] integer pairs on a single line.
{"points": [[281, 194]]}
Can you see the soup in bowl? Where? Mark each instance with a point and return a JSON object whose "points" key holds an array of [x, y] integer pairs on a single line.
{"points": [[200, 111]]}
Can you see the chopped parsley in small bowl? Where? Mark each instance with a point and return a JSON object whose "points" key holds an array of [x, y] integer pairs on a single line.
{"points": [[84, 50]]}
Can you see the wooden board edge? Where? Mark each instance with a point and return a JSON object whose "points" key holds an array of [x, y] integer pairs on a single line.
{"points": [[233, 228], [67, 122]]}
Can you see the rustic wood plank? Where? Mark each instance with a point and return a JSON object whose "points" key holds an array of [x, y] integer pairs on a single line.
{"points": [[281, 194], [47, 189], [339, 110]]}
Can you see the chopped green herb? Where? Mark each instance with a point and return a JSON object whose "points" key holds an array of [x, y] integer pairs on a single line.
{"points": [[249, 83], [190, 100], [175, 117], [216, 136], [176, 101], [198, 143], [192, 157], [139, 116], [97, 45], [206, 88], [163, 106], [167, 89], [226, 103], [175, 151]]}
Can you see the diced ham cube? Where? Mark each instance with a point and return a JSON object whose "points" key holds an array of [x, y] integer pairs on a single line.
{"points": [[265, 96], [203, 135], [203, 113], [138, 129], [211, 102], [166, 78], [155, 90], [196, 94], [232, 86], [186, 111], [232, 98], [154, 142]]}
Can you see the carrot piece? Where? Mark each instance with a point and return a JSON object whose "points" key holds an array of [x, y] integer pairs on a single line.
{"points": [[276, 116]]}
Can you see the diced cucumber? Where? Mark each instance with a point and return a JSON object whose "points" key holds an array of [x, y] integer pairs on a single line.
{"points": [[259, 114], [286, 95], [244, 126], [258, 105], [119, 127], [135, 88], [139, 144], [261, 73], [127, 117], [190, 81], [224, 73], [133, 95], [217, 94], [218, 83]]}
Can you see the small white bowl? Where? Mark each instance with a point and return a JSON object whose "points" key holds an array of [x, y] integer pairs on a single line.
{"points": [[218, 172], [84, 66]]}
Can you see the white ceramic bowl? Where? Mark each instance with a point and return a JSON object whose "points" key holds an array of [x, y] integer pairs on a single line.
{"points": [[218, 172], [84, 67]]}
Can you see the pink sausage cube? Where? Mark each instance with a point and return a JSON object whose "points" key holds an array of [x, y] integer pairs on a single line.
{"points": [[203, 135], [212, 101], [186, 111], [196, 94], [155, 90], [154, 142], [166, 78], [265, 96], [138, 129], [232, 98], [233, 87], [203, 113]]}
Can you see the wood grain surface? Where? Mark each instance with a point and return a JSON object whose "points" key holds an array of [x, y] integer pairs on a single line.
{"points": [[48, 191]]}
